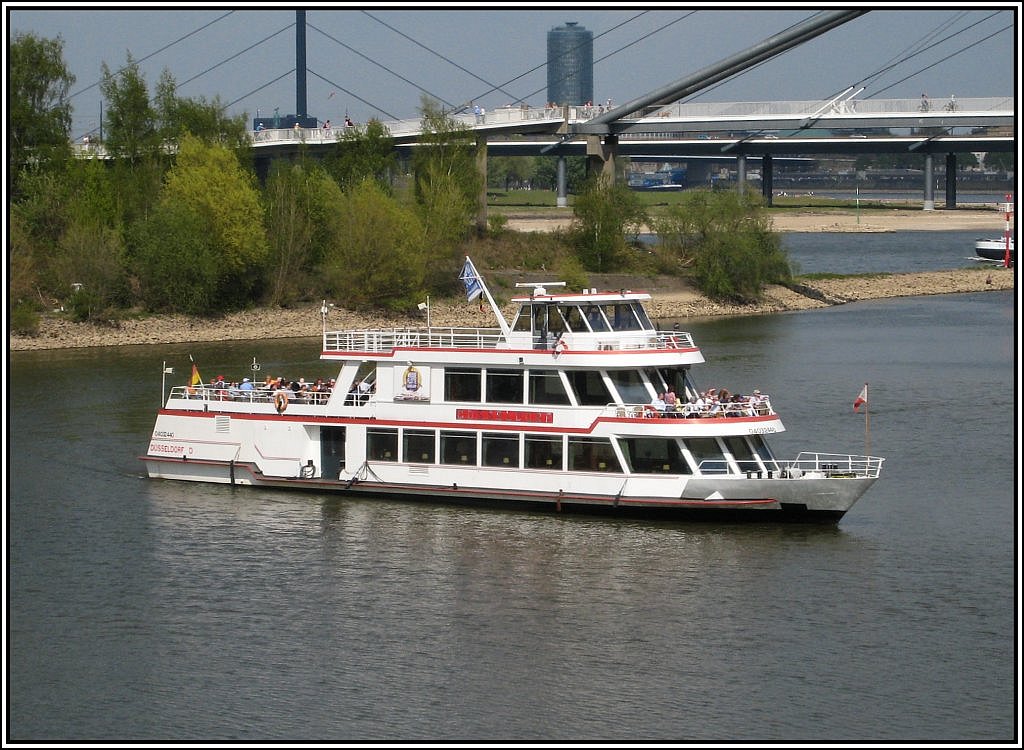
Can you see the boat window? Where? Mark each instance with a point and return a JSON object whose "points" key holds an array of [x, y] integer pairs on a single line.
{"points": [[707, 455], [654, 456], [501, 449], [574, 318], [762, 449], [641, 315], [622, 317], [458, 448], [543, 452], [524, 319], [382, 445], [589, 387], [505, 386], [592, 454], [630, 385], [418, 446], [546, 388], [556, 321], [742, 454], [595, 318], [674, 378], [462, 384]]}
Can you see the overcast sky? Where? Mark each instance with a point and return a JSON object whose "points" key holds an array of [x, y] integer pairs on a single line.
{"points": [[377, 62]]}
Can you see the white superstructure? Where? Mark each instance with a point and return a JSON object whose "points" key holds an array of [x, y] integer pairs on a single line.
{"points": [[551, 411]]}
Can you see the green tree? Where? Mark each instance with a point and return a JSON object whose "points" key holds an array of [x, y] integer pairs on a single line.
{"points": [[39, 114], [131, 122], [175, 261], [728, 239], [603, 215], [205, 120], [299, 200], [90, 270], [361, 152], [448, 184], [209, 180], [379, 255]]}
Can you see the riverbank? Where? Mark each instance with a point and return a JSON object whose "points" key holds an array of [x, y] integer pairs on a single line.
{"points": [[672, 299], [985, 222]]}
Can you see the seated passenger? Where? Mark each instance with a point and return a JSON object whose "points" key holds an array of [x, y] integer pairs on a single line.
{"points": [[657, 406]]}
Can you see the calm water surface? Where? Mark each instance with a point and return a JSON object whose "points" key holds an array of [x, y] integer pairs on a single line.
{"points": [[157, 611]]}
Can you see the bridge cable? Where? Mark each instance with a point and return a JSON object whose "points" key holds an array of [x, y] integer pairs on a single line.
{"points": [[382, 67], [888, 67], [942, 60], [354, 96], [494, 87], [153, 54]]}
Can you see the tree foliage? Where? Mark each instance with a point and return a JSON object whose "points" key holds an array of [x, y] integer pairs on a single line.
{"points": [[604, 214], [300, 200], [205, 120], [381, 254], [448, 183], [209, 180], [361, 152], [131, 122], [39, 114], [175, 261], [728, 239]]}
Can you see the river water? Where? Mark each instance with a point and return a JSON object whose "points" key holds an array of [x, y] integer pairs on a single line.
{"points": [[152, 611]]}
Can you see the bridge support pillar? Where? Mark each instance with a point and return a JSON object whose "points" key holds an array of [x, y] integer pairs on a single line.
{"points": [[563, 188], [929, 182], [741, 174], [766, 178], [950, 180], [481, 168], [601, 156]]}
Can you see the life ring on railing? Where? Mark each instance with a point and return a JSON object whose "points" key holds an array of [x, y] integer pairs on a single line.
{"points": [[280, 401], [560, 347]]}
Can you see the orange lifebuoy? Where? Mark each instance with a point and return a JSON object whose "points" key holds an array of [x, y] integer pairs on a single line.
{"points": [[561, 346], [280, 401]]}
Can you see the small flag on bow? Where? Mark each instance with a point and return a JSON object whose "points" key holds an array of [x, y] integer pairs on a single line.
{"points": [[862, 398]]}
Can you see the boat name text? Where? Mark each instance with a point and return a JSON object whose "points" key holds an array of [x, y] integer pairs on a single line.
{"points": [[504, 415]]}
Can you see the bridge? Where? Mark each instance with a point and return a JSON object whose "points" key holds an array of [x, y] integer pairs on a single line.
{"points": [[659, 123]]}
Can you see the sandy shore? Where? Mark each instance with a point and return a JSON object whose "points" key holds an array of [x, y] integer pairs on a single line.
{"points": [[672, 299], [985, 222]]}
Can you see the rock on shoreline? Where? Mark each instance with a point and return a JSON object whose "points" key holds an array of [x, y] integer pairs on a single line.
{"points": [[670, 301]]}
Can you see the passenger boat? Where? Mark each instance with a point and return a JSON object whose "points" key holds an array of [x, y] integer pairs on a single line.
{"points": [[551, 411], [993, 249]]}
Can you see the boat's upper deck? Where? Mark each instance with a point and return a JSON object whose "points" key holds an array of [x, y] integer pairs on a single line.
{"points": [[606, 322]]}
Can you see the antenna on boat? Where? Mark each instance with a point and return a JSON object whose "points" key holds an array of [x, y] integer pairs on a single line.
{"points": [[539, 287], [475, 286]]}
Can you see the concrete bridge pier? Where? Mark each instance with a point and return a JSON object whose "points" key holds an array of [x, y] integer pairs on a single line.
{"points": [[601, 156], [562, 199], [741, 173], [929, 182], [766, 178], [950, 180], [481, 168]]}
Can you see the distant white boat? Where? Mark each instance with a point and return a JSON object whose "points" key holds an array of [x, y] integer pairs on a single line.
{"points": [[993, 249]]}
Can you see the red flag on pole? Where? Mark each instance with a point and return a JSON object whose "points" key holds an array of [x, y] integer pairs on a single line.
{"points": [[862, 398]]}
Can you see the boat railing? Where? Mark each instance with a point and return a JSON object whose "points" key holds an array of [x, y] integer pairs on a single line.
{"points": [[684, 410], [412, 338], [835, 465], [208, 394], [386, 340]]}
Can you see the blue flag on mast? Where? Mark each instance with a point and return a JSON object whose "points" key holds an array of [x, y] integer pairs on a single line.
{"points": [[471, 279]]}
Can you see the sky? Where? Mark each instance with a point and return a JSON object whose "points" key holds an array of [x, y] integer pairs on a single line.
{"points": [[378, 61]]}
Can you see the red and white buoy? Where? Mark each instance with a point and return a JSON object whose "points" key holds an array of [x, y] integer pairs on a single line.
{"points": [[1007, 209]]}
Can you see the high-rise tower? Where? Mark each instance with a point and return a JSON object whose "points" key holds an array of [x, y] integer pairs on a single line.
{"points": [[570, 64]]}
